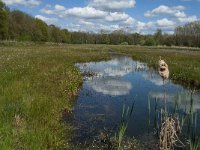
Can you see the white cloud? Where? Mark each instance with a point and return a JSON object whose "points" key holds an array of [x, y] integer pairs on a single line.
{"points": [[46, 19], [188, 19], [88, 15], [47, 10], [116, 16], [85, 12], [162, 9], [111, 5], [177, 12], [80, 12], [129, 20], [59, 7], [86, 23], [174, 16], [30, 3], [109, 15], [165, 22]]}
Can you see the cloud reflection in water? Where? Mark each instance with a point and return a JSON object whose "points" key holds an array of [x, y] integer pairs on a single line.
{"points": [[109, 75], [113, 87]]}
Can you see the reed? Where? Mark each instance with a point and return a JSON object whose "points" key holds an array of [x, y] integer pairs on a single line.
{"points": [[126, 115], [194, 143]]}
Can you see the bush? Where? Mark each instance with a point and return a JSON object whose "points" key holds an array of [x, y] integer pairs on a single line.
{"points": [[124, 43]]}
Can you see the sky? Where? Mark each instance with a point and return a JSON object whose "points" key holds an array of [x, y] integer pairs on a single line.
{"points": [[141, 16]]}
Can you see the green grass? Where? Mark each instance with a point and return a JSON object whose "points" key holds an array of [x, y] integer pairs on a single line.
{"points": [[39, 81]]}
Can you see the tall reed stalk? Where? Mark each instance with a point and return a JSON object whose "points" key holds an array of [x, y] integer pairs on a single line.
{"points": [[126, 115]]}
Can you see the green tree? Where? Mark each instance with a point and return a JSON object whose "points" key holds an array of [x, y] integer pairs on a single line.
{"points": [[65, 36], [3, 21], [21, 26], [158, 37], [188, 35], [149, 41], [42, 31]]}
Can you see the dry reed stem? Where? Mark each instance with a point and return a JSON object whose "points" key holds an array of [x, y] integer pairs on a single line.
{"points": [[18, 122], [168, 134]]}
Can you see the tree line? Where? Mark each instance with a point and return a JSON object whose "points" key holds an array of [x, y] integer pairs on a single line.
{"points": [[19, 26]]}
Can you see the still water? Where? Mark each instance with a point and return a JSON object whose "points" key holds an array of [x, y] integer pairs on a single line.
{"points": [[122, 82]]}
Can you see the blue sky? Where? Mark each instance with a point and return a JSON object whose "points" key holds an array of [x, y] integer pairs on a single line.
{"points": [[142, 16]]}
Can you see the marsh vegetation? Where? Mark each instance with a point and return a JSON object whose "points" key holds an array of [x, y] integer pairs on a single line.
{"points": [[40, 82]]}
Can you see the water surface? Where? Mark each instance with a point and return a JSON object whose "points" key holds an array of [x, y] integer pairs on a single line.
{"points": [[121, 81]]}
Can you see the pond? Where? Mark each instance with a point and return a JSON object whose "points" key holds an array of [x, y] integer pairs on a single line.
{"points": [[120, 84]]}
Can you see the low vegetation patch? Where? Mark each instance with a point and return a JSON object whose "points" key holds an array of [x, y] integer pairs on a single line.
{"points": [[36, 84]]}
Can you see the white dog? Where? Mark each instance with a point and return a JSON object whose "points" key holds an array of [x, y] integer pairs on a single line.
{"points": [[163, 69]]}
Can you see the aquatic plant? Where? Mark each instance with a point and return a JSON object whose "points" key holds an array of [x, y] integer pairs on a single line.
{"points": [[126, 114], [149, 113], [194, 142]]}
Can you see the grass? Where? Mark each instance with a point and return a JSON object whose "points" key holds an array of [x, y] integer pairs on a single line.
{"points": [[39, 81], [36, 84]]}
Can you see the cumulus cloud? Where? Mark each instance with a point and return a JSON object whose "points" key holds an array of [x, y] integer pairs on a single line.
{"points": [[80, 12], [88, 13], [175, 16], [174, 11], [86, 23], [112, 5], [177, 12], [110, 15], [188, 19], [165, 22], [46, 19], [85, 12], [47, 10], [30, 3], [116, 16], [59, 7], [87, 16]]}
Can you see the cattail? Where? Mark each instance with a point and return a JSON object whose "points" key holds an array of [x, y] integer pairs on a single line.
{"points": [[163, 69]]}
